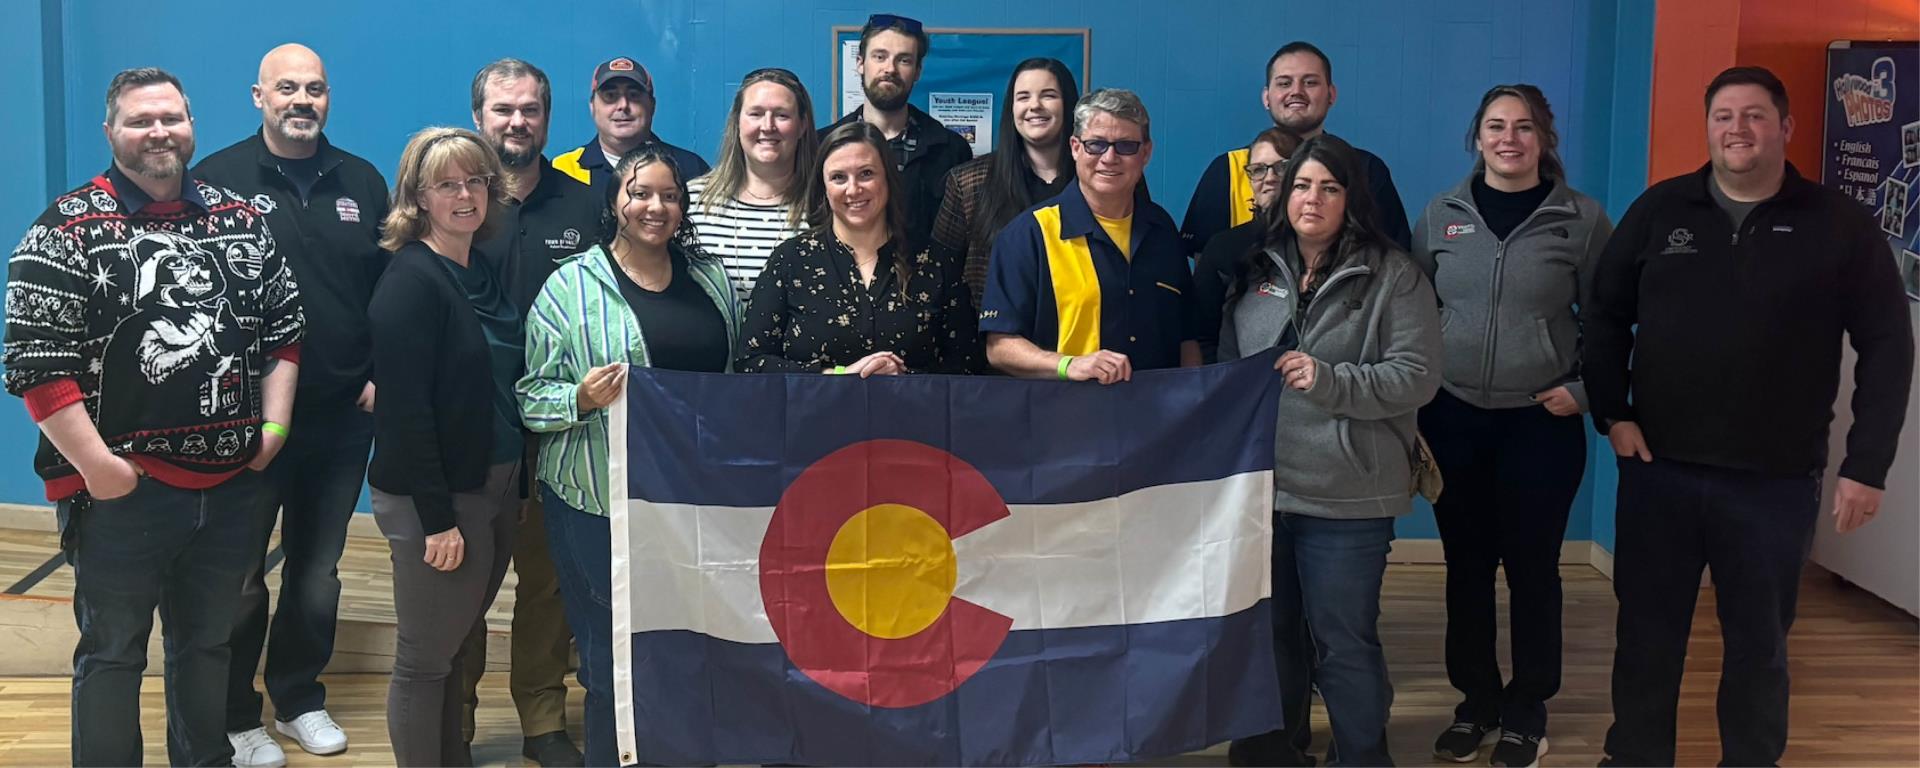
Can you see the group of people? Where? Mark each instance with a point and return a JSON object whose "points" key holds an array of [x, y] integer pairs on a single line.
{"points": [[494, 299]]}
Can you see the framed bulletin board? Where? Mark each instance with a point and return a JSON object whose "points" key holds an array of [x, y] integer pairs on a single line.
{"points": [[966, 72]]}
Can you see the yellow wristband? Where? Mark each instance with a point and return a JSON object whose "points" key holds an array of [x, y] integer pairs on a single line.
{"points": [[274, 427]]}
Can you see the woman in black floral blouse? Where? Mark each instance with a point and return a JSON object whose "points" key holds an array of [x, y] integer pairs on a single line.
{"points": [[850, 296]]}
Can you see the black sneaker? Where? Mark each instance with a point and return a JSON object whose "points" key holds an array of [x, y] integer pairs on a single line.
{"points": [[1518, 750], [552, 750], [1461, 742]]}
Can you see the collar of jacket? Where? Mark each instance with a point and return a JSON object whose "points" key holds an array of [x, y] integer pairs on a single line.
{"points": [[1559, 200], [1077, 220], [1792, 186], [329, 158]]}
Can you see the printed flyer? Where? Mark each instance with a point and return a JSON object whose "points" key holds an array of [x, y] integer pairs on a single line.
{"points": [[1872, 147]]}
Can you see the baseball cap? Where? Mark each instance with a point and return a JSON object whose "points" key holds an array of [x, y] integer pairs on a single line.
{"points": [[622, 67]]}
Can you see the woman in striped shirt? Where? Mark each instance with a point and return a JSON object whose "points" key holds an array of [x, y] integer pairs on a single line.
{"points": [[755, 198], [646, 297]]}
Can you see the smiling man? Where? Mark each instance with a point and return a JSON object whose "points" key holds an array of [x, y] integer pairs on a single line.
{"points": [[623, 105], [326, 205], [1298, 93], [1742, 278]]}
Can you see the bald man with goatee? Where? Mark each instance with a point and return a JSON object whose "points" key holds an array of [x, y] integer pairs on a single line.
{"points": [[325, 207]]}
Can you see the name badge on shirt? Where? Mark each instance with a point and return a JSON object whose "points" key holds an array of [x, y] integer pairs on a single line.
{"points": [[348, 209], [1270, 289]]}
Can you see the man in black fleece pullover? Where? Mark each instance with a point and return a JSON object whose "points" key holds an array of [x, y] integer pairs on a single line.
{"points": [[1742, 278]]}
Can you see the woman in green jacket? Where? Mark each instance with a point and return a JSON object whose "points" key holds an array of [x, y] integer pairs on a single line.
{"points": [[646, 297]]}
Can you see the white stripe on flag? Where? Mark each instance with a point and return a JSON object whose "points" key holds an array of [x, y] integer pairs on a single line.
{"points": [[1165, 553]]}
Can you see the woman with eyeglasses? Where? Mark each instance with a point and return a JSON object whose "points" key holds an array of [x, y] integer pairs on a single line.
{"points": [[1266, 162], [647, 297], [985, 193], [756, 197], [447, 349], [1364, 363], [1511, 251], [849, 296]]}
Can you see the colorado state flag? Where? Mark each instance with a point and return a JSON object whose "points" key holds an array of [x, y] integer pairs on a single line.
{"points": [[929, 570]]}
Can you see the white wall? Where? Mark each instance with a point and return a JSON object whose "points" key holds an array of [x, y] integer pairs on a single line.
{"points": [[1883, 557]]}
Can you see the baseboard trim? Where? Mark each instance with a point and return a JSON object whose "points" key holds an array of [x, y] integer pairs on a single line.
{"points": [[1600, 559]]}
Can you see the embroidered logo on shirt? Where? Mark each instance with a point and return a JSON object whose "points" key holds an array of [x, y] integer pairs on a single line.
{"points": [[566, 243], [263, 203], [1268, 288], [348, 209], [1679, 241], [1455, 231]]}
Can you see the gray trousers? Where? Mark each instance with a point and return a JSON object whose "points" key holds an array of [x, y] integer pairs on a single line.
{"points": [[437, 609]]}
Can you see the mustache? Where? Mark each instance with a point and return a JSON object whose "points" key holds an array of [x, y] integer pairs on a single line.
{"points": [[301, 112]]}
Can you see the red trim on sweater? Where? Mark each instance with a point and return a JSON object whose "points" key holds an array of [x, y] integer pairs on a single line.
{"points": [[289, 353], [44, 400], [66, 487]]}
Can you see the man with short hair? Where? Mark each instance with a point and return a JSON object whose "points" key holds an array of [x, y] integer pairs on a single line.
{"points": [[1093, 284], [153, 329], [327, 206], [623, 105], [1712, 354], [551, 218], [891, 52], [1298, 93]]}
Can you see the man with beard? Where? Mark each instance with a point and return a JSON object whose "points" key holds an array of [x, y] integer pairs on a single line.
{"points": [[326, 205], [553, 217], [622, 103], [1297, 94], [153, 329], [892, 50]]}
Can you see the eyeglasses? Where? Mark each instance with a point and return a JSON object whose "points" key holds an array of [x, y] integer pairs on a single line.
{"points": [[888, 20], [1098, 147], [451, 187], [1258, 171]]}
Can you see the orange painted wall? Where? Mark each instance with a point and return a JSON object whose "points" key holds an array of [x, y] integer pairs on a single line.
{"points": [[1696, 39]]}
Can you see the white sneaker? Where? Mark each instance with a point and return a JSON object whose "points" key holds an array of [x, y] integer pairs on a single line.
{"points": [[317, 733], [255, 749]]}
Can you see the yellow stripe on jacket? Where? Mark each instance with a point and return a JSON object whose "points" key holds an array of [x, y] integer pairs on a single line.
{"points": [[1076, 286], [569, 164], [1239, 188]]}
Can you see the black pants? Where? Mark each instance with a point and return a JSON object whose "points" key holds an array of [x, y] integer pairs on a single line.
{"points": [[1511, 475], [1753, 531]]}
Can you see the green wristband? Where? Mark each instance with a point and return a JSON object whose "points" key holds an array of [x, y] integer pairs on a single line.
{"points": [[839, 369], [274, 427], [1061, 369]]}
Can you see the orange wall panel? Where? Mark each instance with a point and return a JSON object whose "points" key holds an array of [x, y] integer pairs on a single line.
{"points": [[1693, 41]]}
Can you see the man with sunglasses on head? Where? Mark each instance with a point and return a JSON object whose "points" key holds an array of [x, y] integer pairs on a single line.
{"points": [[325, 207], [1298, 93], [623, 104], [892, 50], [1094, 283]]}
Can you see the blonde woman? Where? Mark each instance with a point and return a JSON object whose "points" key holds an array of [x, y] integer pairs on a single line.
{"points": [[756, 198], [447, 350]]}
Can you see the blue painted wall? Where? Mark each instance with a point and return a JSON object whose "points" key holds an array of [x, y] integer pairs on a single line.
{"points": [[1409, 72]]}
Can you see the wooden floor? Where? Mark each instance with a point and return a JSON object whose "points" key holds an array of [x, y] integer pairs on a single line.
{"points": [[1856, 667]]}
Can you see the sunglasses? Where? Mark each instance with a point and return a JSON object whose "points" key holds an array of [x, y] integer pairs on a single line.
{"points": [[1098, 147], [888, 21]]}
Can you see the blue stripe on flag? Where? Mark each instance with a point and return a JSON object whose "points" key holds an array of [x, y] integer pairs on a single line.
{"points": [[1049, 697], [738, 440]]}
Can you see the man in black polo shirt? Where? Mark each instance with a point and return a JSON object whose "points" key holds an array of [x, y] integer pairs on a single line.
{"points": [[553, 218], [325, 208], [1742, 278], [892, 50], [623, 109]]}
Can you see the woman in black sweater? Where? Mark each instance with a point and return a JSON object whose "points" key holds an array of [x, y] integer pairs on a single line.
{"points": [[447, 349]]}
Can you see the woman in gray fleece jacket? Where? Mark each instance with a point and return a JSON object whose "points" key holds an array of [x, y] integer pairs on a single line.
{"points": [[1366, 337], [1511, 251]]}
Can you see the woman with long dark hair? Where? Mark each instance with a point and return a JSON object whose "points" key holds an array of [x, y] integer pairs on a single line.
{"points": [[647, 297], [1367, 338], [1032, 162], [850, 296], [1511, 252]]}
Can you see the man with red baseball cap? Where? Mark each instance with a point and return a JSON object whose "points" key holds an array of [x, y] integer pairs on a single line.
{"points": [[622, 104]]}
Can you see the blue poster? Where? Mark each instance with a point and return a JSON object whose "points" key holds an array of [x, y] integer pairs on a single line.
{"points": [[965, 73], [1872, 149]]}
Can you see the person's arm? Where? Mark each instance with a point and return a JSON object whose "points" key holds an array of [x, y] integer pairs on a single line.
{"points": [[763, 333], [1407, 375], [951, 225], [1874, 313], [549, 391], [408, 325], [1607, 318], [1207, 213], [1210, 277], [1421, 250], [959, 331], [283, 324], [1596, 244]]}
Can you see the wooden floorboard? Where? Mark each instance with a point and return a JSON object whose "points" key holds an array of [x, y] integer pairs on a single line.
{"points": [[1856, 666]]}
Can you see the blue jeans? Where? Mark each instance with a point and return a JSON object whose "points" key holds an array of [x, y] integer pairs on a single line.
{"points": [[581, 554], [185, 553], [313, 484], [1326, 618]]}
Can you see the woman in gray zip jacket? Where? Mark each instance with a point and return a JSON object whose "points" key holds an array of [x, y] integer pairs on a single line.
{"points": [[1511, 252], [1367, 340]]}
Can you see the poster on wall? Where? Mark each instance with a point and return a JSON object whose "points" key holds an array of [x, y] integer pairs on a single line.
{"points": [[965, 72], [1872, 141]]}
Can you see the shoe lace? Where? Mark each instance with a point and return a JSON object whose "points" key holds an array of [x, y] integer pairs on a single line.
{"points": [[1462, 727], [316, 721], [1516, 739], [255, 738]]}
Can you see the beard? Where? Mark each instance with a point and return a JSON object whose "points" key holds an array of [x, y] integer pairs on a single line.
{"points": [[137, 160], [283, 125], [1298, 123], [886, 102], [515, 158]]}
